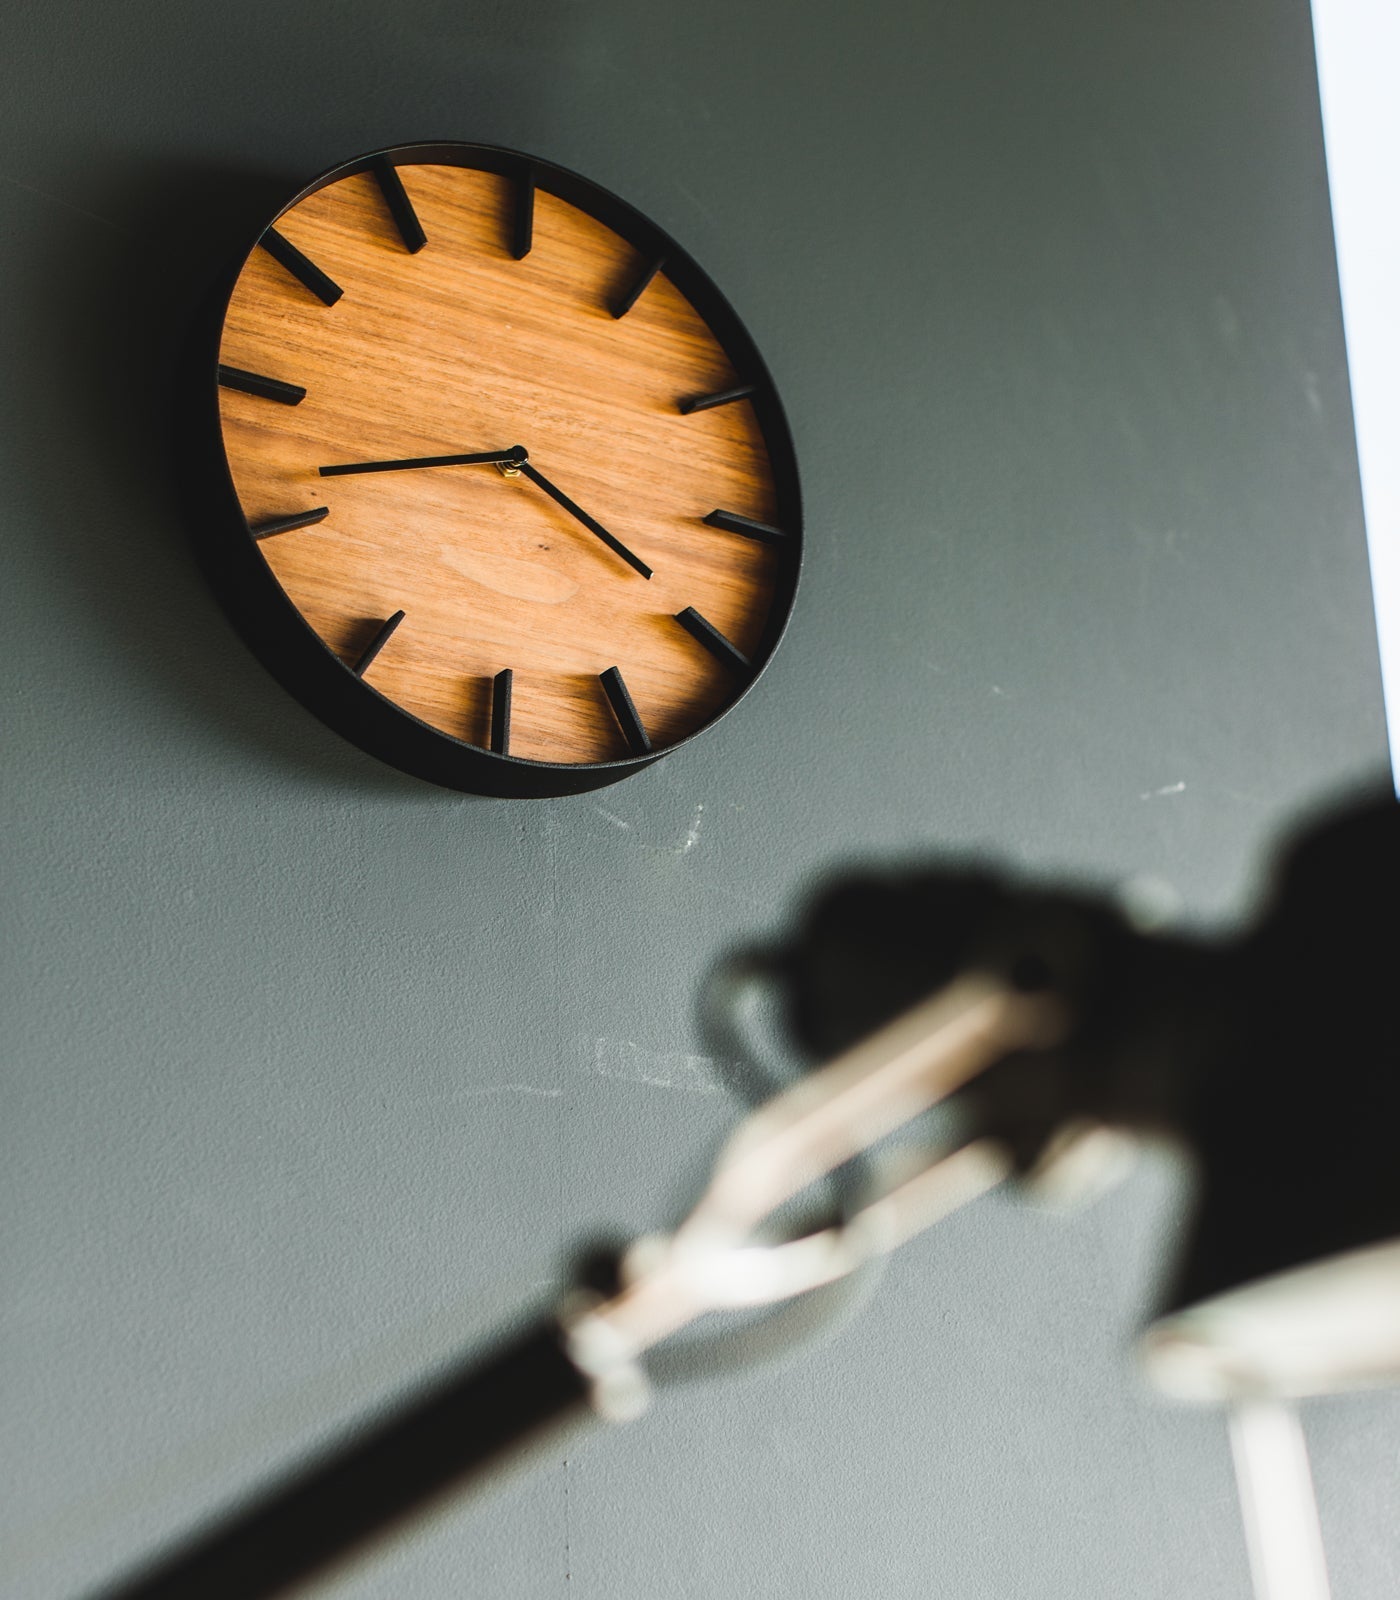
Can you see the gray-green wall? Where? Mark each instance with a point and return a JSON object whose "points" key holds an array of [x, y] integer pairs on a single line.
{"points": [[311, 1071]]}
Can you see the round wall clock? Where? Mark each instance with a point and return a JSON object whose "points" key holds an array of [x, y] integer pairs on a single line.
{"points": [[491, 476]]}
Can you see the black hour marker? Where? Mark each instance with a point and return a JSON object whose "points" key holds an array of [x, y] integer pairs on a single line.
{"points": [[301, 519], [732, 522], [386, 175], [500, 711], [304, 270], [376, 644], [288, 394], [722, 397], [630, 297], [523, 221], [713, 640], [634, 735]]}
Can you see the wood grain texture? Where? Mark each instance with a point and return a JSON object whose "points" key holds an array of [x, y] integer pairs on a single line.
{"points": [[462, 348]]}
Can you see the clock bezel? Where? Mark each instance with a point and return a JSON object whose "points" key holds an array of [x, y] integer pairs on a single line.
{"points": [[289, 647]]}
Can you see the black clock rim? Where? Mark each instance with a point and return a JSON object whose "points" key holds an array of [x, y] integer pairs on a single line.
{"points": [[285, 642]]}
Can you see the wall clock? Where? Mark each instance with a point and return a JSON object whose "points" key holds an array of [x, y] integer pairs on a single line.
{"points": [[489, 473]]}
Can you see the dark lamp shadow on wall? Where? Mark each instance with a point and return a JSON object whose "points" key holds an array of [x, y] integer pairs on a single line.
{"points": [[1044, 1029]]}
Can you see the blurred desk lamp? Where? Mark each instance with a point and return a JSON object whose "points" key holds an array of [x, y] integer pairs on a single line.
{"points": [[970, 1032]]}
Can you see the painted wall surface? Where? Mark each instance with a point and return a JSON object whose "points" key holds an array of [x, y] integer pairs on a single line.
{"points": [[312, 1072]]}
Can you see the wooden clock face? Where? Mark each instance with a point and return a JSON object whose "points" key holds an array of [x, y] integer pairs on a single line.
{"points": [[615, 567]]}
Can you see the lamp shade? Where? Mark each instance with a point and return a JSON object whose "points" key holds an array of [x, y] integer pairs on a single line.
{"points": [[1290, 1280]]}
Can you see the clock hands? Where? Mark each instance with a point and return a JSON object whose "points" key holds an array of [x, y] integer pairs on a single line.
{"points": [[516, 459], [560, 498], [498, 458]]}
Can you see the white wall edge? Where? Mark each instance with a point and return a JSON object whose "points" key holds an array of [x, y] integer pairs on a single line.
{"points": [[1358, 64]]}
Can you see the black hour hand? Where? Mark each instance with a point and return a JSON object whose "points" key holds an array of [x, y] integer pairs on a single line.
{"points": [[560, 498]]}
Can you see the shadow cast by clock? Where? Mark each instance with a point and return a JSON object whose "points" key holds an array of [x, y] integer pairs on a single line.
{"points": [[96, 467]]}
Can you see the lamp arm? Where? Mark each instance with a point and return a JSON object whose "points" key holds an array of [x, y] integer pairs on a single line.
{"points": [[458, 1434], [1026, 1011]]}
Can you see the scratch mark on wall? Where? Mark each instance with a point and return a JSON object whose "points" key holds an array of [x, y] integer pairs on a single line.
{"points": [[616, 821], [568, 1527], [688, 843], [695, 200], [625, 1059], [1167, 788], [505, 1088], [67, 205]]}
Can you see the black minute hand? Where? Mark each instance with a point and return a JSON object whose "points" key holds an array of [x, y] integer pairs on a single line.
{"points": [[480, 459], [560, 498]]}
